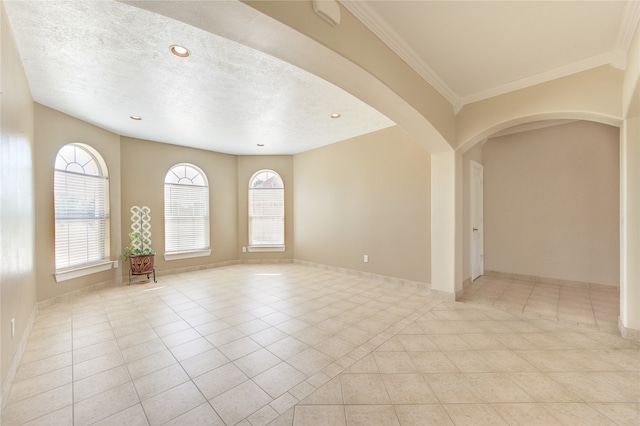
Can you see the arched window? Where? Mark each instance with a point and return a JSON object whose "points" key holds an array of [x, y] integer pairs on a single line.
{"points": [[81, 205], [266, 211], [186, 212]]}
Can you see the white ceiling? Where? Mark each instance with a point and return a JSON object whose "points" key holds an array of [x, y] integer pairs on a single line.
{"points": [[473, 50], [102, 61]]}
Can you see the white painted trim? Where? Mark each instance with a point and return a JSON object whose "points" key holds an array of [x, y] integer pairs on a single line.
{"points": [[554, 281], [7, 383], [628, 333], [366, 275], [390, 37], [630, 19], [615, 57], [258, 249], [187, 254], [83, 271], [329, 10], [474, 165], [533, 125], [576, 67]]}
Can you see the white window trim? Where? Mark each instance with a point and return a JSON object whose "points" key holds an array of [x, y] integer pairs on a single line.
{"points": [[82, 271], [273, 247], [98, 171], [258, 249], [187, 254]]}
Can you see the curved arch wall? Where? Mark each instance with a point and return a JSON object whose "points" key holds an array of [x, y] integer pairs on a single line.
{"points": [[604, 94], [593, 95]]}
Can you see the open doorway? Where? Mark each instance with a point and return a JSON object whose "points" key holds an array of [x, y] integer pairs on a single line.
{"points": [[476, 222]]}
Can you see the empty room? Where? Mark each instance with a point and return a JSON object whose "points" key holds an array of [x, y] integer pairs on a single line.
{"points": [[318, 212]]}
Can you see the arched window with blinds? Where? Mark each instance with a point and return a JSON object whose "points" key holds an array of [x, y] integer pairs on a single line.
{"points": [[81, 205], [266, 212], [186, 212]]}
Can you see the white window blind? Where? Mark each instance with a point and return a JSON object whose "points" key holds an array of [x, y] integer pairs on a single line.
{"points": [[186, 210], [266, 209], [81, 205]]}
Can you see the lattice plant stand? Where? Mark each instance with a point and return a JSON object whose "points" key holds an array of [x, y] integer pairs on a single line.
{"points": [[140, 254]]}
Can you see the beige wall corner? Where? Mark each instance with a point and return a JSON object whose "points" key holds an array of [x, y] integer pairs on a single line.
{"points": [[630, 194], [53, 130], [630, 224], [18, 293], [551, 200], [631, 87], [446, 223], [368, 195], [144, 167]]}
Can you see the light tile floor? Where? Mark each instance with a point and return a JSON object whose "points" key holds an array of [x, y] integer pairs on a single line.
{"points": [[289, 344], [598, 307]]}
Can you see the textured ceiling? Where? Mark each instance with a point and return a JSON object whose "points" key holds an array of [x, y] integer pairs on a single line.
{"points": [[102, 61]]}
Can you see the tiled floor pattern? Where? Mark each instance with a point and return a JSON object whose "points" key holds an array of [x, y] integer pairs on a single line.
{"points": [[288, 344], [597, 307]]}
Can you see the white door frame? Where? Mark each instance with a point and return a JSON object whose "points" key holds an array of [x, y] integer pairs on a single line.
{"points": [[477, 220]]}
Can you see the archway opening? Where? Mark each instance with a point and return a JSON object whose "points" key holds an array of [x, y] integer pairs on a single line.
{"points": [[551, 220]]}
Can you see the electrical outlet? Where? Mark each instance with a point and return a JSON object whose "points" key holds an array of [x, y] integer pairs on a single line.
{"points": [[115, 264], [244, 249], [13, 327], [366, 258]]}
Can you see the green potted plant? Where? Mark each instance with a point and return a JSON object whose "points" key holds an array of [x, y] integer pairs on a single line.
{"points": [[137, 240], [139, 252]]}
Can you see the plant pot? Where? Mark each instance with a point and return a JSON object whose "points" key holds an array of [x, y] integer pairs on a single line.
{"points": [[142, 264]]}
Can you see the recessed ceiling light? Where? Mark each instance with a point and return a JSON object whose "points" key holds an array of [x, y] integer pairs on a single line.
{"points": [[260, 144], [335, 115], [180, 51], [135, 117]]}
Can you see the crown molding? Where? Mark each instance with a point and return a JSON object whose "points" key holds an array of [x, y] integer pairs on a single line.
{"points": [[630, 18], [543, 77], [617, 57], [390, 37]]}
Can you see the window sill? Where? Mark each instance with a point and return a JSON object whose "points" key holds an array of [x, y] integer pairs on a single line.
{"points": [[82, 271], [187, 254], [257, 249]]}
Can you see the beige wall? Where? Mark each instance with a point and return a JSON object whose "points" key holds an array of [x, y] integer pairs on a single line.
{"points": [[630, 227], [630, 195], [144, 166], [631, 85], [367, 195], [17, 223], [247, 166], [53, 130], [589, 95], [551, 203], [394, 228]]}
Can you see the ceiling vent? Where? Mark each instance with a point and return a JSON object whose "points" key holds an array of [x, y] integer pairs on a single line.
{"points": [[329, 10]]}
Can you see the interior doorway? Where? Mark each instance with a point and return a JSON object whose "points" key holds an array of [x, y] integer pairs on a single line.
{"points": [[477, 225]]}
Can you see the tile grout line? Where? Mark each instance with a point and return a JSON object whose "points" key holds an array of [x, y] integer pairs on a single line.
{"points": [[394, 329], [528, 297]]}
